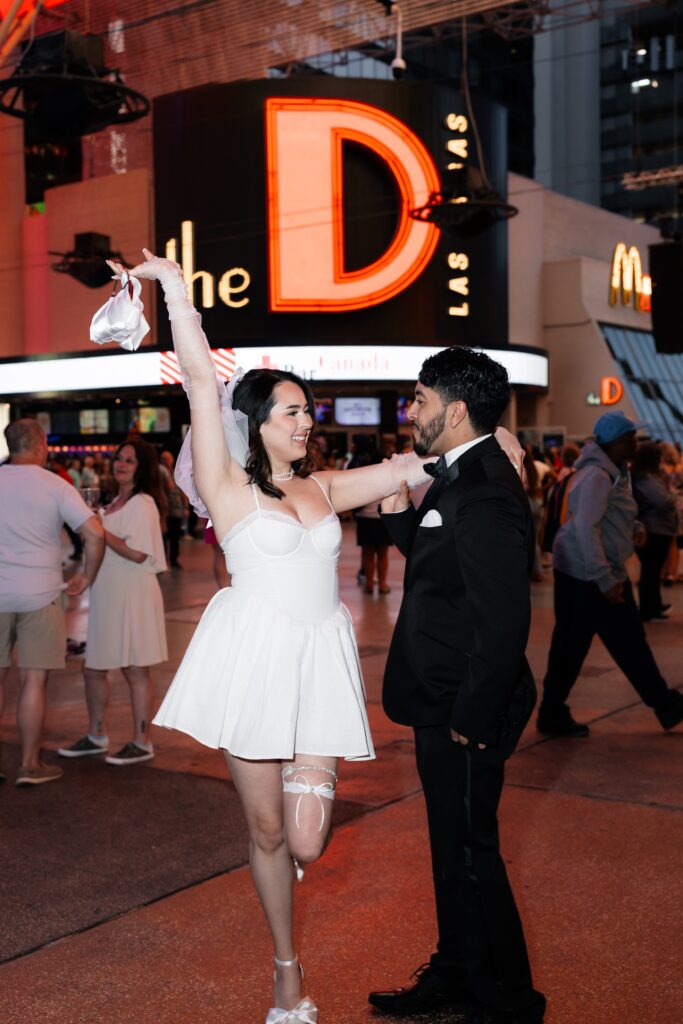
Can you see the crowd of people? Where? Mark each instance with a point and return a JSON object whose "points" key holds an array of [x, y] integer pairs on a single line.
{"points": [[272, 675]]}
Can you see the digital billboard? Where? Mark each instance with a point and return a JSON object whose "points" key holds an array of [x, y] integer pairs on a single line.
{"points": [[287, 203]]}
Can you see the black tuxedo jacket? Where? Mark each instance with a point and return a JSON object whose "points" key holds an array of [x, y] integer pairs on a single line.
{"points": [[457, 653]]}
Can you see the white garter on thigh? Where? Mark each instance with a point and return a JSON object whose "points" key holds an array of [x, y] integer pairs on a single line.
{"points": [[300, 784]]}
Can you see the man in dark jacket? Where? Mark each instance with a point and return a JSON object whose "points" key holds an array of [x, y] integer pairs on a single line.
{"points": [[456, 672], [593, 593]]}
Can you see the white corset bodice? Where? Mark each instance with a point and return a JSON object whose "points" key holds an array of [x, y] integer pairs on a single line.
{"points": [[273, 556], [273, 666]]}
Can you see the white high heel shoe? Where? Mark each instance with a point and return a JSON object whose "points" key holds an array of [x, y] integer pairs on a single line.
{"points": [[305, 1011]]}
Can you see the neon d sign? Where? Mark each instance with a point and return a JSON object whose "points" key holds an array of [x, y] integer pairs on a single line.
{"points": [[301, 212], [304, 182], [305, 214]]}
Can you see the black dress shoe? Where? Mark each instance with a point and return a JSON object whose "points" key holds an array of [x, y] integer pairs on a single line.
{"points": [[429, 992], [670, 713], [560, 723]]}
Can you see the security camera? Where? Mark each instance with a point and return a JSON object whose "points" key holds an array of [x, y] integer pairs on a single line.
{"points": [[398, 67]]}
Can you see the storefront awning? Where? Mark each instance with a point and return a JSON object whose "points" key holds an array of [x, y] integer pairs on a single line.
{"points": [[95, 371], [654, 382]]}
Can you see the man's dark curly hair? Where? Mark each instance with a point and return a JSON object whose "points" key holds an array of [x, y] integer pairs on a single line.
{"points": [[460, 374]]}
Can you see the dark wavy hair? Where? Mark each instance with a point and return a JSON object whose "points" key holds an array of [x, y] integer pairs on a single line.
{"points": [[459, 374], [647, 461], [147, 479], [255, 396]]}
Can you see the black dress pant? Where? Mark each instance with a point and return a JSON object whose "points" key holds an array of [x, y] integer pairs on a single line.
{"points": [[581, 612], [76, 540], [173, 531], [481, 951], [652, 557]]}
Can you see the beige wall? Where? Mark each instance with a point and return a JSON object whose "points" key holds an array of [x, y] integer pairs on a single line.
{"points": [[120, 206], [525, 264], [560, 264], [579, 355]]}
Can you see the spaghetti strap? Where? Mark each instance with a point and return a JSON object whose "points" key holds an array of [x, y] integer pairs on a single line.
{"points": [[258, 504], [327, 498]]}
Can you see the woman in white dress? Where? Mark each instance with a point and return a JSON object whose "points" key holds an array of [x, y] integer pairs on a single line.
{"points": [[126, 626], [272, 675]]}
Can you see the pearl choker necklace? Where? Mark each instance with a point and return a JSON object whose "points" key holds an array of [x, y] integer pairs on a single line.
{"points": [[283, 477]]}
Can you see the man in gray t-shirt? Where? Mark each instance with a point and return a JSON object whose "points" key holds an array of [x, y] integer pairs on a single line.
{"points": [[34, 505]]}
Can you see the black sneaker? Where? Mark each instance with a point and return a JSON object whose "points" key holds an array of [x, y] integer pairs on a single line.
{"points": [[661, 615], [670, 714], [560, 723], [130, 754], [85, 747]]}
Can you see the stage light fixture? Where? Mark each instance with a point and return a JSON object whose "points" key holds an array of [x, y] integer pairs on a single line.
{"points": [[85, 262], [466, 204], [62, 89]]}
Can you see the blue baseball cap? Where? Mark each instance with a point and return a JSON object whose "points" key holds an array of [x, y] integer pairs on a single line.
{"points": [[613, 425]]}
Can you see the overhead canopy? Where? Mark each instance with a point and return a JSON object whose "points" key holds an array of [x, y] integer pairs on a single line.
{"points": [[654, 382]]}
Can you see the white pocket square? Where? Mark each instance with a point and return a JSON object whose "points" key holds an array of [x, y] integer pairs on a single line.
{"points": [[432, 518]]}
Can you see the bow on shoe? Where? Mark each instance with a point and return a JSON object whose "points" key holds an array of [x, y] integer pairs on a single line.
{"points": [[304, 1012]]}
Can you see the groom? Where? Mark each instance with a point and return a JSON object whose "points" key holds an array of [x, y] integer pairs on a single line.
{"points": [[456, 672]]}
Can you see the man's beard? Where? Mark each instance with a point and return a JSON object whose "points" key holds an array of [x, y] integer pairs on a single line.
{"points": [[429, 434]]}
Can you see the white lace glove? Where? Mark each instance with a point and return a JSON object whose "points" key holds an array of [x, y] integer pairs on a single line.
{"points": [[192, 348], [408, 467]]}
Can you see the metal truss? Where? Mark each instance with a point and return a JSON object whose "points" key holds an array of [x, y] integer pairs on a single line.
{"points": [[634, 181]]}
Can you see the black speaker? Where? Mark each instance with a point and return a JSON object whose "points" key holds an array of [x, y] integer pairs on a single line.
{"points": [[666, 270]]}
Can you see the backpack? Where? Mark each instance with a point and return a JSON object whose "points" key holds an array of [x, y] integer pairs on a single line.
{"points": [[555, 511]]}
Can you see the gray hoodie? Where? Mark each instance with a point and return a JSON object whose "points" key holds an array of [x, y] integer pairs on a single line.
{"points": [[656, 505], [597, 538]]}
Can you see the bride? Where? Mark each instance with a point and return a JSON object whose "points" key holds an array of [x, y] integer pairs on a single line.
{"points": [[272, 675]]}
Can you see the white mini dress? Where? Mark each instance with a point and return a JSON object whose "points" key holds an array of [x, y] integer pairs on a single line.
{"points": [[126, 624], [273, 667]]}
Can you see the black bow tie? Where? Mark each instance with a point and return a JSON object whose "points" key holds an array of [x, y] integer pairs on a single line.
{"points": [[436, 469]]}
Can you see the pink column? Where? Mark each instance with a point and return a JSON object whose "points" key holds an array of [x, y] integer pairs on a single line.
{"points": [[36, 273]]}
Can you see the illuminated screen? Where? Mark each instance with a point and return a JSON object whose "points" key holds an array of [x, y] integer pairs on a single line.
{"points": [[449, 302], [153, 420], [141, 420], [402, 406], [357, 412], [552, 441], [45, 420], [323, 411], [93, 421]]}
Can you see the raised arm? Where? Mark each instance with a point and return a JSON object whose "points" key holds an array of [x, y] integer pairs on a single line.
{"points": [[213, 470]]}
